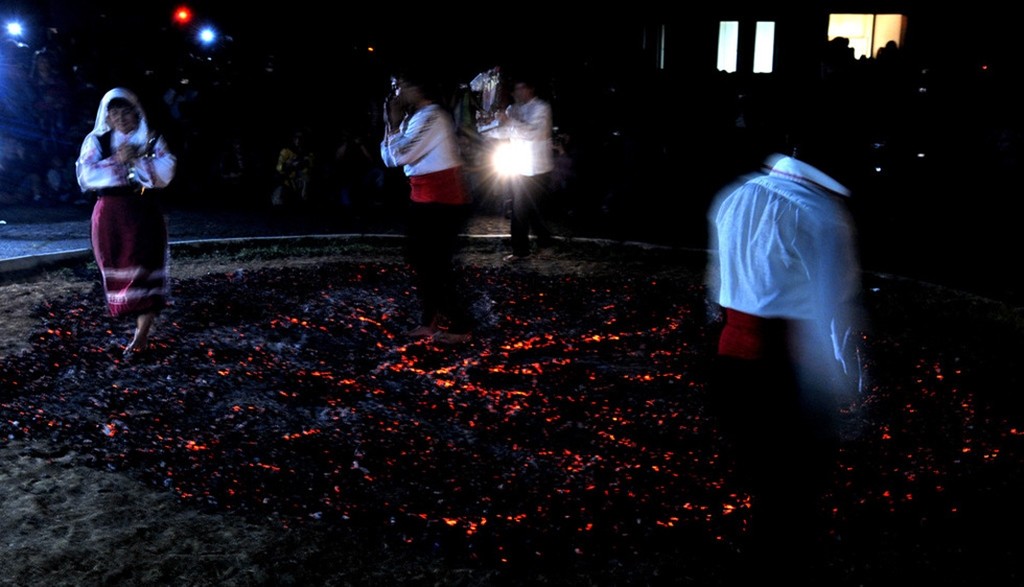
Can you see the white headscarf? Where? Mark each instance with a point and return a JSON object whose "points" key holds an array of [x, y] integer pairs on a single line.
{"points": [[140, 137]]}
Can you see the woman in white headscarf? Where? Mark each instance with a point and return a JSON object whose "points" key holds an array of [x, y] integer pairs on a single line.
{"points": [[122, 161]]}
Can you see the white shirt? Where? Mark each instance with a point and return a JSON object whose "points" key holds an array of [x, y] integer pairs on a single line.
{"points": [[94, 172], [529, 127], [783, 246], [425, 144]]}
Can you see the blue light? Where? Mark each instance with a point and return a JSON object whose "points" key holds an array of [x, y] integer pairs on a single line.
{"points": [[15, 29], [207, 36]]}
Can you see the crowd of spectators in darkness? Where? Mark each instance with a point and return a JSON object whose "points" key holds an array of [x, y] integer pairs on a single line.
{"points": [[228, 117], [207, 108], [42, 110]]}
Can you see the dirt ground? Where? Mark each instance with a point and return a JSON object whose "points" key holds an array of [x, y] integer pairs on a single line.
{"points": [[531, 457]]}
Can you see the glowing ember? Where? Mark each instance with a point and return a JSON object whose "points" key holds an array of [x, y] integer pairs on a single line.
{"points": [[572, 424]]}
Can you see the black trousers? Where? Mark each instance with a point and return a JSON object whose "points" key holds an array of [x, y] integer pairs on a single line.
{"points": [[783, 438], [527, 200], [432, 239]]}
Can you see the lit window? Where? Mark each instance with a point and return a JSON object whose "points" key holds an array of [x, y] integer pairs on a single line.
{"points": [[764, 47], [867, 32], [728, 45]]}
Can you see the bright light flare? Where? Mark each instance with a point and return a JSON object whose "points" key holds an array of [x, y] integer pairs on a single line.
{"points": [[15, 29], [183, 15], [207, 36], [511, 158]]}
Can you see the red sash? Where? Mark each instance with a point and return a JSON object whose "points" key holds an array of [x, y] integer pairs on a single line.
{"points": [[440, 187], [746, 336]]}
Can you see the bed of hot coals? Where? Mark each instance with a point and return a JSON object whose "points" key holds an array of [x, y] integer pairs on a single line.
{"points": [[569, 436]]}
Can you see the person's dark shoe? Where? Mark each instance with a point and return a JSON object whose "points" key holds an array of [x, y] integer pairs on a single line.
{"points": [[543, 251]]}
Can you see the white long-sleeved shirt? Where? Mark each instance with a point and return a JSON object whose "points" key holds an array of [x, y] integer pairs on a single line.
{"points": [[424, 144], [783, 246], [96, 172], [530, 125]]}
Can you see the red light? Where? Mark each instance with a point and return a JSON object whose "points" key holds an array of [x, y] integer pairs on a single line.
{"points": [[182, 15]]}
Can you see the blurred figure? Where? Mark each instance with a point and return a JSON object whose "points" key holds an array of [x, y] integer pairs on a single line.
{"points": [[20, 172], [563, 174], [294, 171], [232, 172], [60, 180], [351, 177], [527, 125], [53, 99], [420, 137], [123, 160], [785, 272]]}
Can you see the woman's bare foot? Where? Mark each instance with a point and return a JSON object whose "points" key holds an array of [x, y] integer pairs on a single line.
{"points": [[422, 332], [143, 324]]}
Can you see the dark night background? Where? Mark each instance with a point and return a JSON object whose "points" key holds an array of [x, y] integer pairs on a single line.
{"points": [[651, 145], [580, 400]]}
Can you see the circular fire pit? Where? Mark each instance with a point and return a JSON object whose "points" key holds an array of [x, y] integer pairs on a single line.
{"points": [[567, 442]]}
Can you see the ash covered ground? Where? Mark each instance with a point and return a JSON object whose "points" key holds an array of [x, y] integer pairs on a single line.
{"points": [[567, 443]]}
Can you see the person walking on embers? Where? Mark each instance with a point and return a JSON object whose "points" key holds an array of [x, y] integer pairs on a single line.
{"points": [[419, 136], [123, 160], [784, 270]]}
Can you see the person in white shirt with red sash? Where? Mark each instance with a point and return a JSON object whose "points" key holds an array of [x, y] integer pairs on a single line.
{"points": [[784, 271], [420, 137]]}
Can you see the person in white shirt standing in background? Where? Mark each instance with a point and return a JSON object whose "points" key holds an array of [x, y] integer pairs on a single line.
{"points": [[527, 125]]}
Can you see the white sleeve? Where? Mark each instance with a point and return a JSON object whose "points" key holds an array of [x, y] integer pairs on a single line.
{"points": [[94, 172], [156, 170]]}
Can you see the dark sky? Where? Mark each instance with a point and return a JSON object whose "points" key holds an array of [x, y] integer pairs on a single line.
{"points": [[461, 43], [323, 46], [321, 31]]}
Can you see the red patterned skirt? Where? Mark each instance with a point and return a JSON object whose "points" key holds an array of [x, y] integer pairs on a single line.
{"points": [[129, 240]]}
